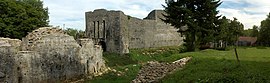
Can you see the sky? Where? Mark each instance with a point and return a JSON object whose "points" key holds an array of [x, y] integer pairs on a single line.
{"points": [[71, 13]]}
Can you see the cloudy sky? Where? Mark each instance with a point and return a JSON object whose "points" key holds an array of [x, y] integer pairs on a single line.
{"points": [[71, 12]]}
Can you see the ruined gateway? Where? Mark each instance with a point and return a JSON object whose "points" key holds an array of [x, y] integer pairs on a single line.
{"points": [[117, 32], [48, 55]]}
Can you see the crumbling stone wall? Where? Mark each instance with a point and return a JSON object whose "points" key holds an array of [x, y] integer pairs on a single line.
{"points": [[122, 32], [49, 55], [8, 69]]}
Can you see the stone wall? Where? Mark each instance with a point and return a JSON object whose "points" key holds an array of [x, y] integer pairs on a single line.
{"points": [[123, 32], [152, 32], [48, 55], [103, 26], [8, 68]]}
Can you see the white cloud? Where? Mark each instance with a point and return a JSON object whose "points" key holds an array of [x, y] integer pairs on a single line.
{"points": [[251, 13], [71, 12], [247, 19]]}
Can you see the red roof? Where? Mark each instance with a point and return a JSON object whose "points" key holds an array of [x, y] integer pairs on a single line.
{"points": [[253, 40]]}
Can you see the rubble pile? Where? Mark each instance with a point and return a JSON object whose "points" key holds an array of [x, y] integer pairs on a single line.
{"points": [[154, 71]]}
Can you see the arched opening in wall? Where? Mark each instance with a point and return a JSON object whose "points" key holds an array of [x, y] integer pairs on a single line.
{"points": [[103, 45]]}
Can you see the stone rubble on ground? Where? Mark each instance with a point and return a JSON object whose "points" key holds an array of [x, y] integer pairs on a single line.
{"points": [[153, 71]]}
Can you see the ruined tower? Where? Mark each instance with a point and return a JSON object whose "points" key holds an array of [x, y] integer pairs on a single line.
{"points": [[118, 32]]}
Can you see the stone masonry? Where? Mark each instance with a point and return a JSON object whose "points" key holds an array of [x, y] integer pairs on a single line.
{"points": [[117, 32], [48, 55]]}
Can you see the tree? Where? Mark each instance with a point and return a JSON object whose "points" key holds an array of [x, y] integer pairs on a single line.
{"points": [[255, 31], [200, 16], [247, 32], [229, 30], [264, 33], [18, 17], [75, 33], [236, 29], [223, 29]]}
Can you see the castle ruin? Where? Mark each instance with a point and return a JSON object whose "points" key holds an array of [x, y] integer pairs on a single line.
{"points": [[48, 55], [117, 32]]}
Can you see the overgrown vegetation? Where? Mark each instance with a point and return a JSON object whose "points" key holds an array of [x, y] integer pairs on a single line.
{"points": [[206, 66]]}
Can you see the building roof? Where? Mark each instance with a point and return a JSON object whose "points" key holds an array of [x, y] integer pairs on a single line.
{"points": [[253, 40]]}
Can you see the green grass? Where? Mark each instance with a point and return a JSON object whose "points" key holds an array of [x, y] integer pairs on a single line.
{"points": [[113, 59], [130, 64], [206, 66]]}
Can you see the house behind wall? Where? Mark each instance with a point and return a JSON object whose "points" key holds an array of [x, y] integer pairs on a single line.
{"points": [[119, 32]]}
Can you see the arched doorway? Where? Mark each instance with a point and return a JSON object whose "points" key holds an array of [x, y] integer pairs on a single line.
{"points": [[103, 45]]}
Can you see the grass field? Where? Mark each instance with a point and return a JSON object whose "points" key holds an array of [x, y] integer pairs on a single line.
{"points": [[206, 66]]}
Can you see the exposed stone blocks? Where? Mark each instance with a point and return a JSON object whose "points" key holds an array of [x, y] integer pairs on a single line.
{"points": [[48, 55]]}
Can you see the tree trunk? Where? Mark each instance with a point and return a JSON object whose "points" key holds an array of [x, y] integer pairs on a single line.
{"points": [[236, 54]]}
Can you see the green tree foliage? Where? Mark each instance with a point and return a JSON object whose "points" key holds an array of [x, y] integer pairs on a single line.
{"points": [[229, 30], [247, 33], [223, 29], [264, 34], [200, 16], [75, 33], [18, 17], [254, 32], [236, 29]]}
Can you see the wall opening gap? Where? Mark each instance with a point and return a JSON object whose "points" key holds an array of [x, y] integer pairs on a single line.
{"points": [[94, 29], [104, 30]]}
